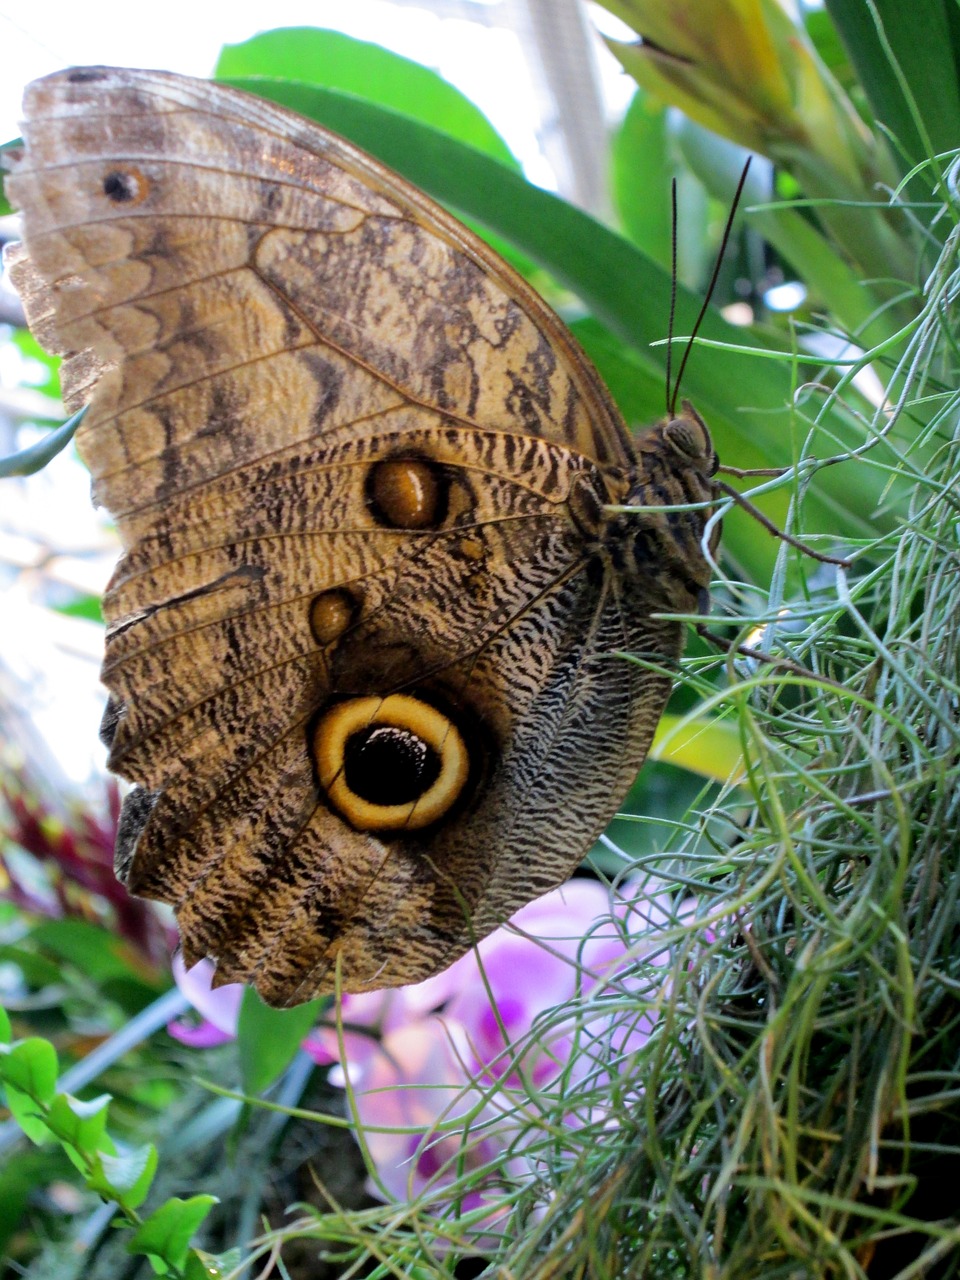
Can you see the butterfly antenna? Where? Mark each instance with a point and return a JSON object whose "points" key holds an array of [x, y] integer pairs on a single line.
{"points": [[710, 287], [672, 399]]}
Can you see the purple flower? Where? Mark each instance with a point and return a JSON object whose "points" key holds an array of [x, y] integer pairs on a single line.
{"points": [[441, 1072], [219, 1008]]}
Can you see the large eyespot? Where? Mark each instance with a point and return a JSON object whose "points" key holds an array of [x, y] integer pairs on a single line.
{"points": [[393, 763]]}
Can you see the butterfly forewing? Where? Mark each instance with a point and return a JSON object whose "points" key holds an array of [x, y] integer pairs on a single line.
{"points": [[365, 643]]}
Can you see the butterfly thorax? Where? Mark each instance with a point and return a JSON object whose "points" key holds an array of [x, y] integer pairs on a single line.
{"points": [[655, 528]]}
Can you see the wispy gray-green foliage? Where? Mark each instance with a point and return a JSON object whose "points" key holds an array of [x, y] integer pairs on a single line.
{"points": [[800, 1100]]}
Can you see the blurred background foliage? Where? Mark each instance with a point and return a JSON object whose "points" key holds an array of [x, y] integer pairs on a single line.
{"points": [[825, 339]]}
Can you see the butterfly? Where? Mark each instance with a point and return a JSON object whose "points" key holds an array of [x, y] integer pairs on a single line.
{"points": [[384, 649]]}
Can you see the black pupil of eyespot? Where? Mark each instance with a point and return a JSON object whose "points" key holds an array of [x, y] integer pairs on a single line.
{"points": [[119, 187], [384, 764]]}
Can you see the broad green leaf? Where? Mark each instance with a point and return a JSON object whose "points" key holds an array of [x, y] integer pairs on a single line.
{"points": [[31, 1067], [635, 379], [822, 268], [88, 946], [333, 60], [81, 1124], [625, 290], [640, 175], [166, 1234], [921, 105], [126, 1177], [711, 747], [269, 1038], [38, 971]]}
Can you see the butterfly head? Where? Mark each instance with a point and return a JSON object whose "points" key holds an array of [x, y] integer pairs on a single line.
{"points": [[689, 437]]}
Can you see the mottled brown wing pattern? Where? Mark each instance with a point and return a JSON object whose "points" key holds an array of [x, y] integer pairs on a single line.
{"points": [[365, 641]]}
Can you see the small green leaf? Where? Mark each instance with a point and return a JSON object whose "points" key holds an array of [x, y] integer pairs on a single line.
{"points": [[36, 457], [79, 1124], [165, 1236], [27, 1114], [201, 1265], [269, 1038], [5, 1031], [32, 351], [15, 144], [31, 1067], [125, 1177]]}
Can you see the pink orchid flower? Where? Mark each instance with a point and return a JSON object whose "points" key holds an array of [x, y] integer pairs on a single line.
{"points": [[440, 1070]]}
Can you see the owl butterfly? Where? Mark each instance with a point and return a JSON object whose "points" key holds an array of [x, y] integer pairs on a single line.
{"points": [[365, 642]]}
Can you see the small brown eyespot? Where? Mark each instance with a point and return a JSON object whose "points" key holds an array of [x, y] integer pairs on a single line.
{"points": [[126, 186], [407, 493], [331, 613]]}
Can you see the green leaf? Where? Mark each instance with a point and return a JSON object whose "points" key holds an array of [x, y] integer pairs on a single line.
{"points": [[333, 60], [37, 970], [82, 1125], [5, 1029], [201, 1265], [826, 273], [21, 1173], [14, 144], [31, 350], [98, 953], [82, 606], [36, 457], [708, 746], [921, 109], [126, 1177], [269, 1038], [28, 1114], [640, 173], [166, 1234], [629, 294], [31, 1067]]}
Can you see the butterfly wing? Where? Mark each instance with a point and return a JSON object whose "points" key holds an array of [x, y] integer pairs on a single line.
{"points": [[361, 648]]}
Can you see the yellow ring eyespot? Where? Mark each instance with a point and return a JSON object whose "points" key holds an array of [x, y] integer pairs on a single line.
{"points": [[393, 763]]}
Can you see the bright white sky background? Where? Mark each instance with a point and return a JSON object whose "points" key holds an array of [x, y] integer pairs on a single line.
{"points": [[484, 62]]}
